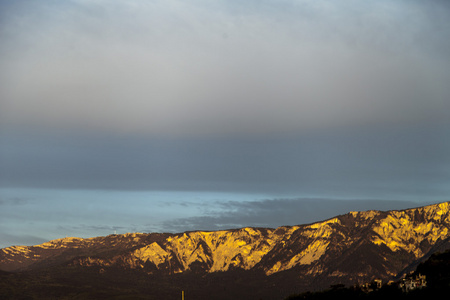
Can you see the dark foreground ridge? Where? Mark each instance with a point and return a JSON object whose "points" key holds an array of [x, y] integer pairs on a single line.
{"points": [[246, 263], [431, 280]]}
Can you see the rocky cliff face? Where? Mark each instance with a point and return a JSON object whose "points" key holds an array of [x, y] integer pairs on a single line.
{"points": [[350, 248]]}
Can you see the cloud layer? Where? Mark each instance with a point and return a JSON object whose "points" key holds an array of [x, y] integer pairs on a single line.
{"points": [[286, 99], [385, 163], [225, 68], [274, 95], [273, 213]]}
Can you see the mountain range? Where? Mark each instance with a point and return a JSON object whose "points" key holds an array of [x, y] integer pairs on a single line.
{"points": [[245, 263]]}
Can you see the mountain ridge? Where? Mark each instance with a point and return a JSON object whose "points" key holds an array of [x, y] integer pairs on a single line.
{"points": [[350, 248]]}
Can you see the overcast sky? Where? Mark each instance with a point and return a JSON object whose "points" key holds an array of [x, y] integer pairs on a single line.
{"points": [[182, 115]]}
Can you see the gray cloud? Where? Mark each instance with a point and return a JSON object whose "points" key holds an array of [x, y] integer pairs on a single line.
{"points": [[278, 212], [14, 201], [7, 240], [177, 68], [98, 229], [382, 162]]}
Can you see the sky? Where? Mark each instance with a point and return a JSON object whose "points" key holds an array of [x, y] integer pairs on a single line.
{"points": [[167, 116]]}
